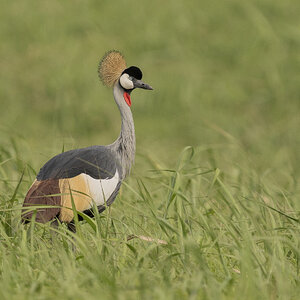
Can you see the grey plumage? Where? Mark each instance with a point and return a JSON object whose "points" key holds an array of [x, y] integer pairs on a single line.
{"points": [[97, 161], [124, 146]]}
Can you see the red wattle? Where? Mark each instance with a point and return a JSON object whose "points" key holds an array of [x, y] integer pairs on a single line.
{"points": [[127, 98]]}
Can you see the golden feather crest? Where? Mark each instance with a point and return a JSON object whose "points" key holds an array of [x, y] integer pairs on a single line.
{"points": [[111, 67]]}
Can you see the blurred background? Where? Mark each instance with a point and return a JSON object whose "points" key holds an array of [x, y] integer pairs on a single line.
{"points": [[225, 76], [226, 80]]}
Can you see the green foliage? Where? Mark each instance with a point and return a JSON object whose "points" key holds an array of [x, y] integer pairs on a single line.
{"points": [[226, 80]]}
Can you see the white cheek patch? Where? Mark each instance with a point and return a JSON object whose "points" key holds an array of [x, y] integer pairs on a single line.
{"points": [[125, 82]]}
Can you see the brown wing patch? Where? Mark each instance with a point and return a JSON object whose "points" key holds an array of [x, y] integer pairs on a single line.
{"points": [[42, 193], [78, 189]]}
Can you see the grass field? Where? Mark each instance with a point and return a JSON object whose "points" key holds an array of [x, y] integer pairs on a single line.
{"points": [[217, 168]]}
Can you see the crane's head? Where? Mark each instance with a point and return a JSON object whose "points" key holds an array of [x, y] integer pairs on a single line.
{"points": [[112, 69]]}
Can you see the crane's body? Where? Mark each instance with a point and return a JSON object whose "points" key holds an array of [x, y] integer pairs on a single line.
{"points": [[93, 175]]}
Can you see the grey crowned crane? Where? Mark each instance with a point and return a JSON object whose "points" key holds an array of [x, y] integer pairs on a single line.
{"points": [[91, 175]]}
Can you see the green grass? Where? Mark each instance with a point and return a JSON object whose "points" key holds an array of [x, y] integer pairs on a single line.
{"points": [[217, 166]]}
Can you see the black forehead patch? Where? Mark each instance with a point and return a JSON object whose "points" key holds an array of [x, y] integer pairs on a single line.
{"points": [[134, 72]]}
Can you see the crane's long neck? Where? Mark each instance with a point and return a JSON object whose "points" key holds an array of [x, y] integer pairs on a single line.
{"points": [[125, 144]]}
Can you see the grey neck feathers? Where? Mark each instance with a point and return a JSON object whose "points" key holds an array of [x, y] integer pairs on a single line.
{"points": [[125, 144]]}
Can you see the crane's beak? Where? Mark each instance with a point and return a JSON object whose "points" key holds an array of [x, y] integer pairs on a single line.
{"points": [[140, 84]]}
